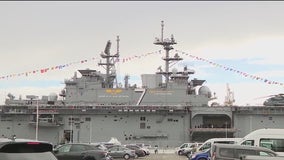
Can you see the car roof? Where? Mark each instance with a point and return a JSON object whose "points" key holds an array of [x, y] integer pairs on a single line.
{"points": [[3, 140], [242, 147]]}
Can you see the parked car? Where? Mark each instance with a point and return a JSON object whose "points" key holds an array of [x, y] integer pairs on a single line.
{"points": [[119, 151], [20, 149], [182, 146], [144, 147], [208, 144], [190, 149], [80, 151], [202, 155], [235, 152], [138, 150]]}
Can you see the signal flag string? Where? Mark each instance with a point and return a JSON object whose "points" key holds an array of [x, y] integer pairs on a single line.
{"points": [[63, 66], [247, 75], [130, 58]]}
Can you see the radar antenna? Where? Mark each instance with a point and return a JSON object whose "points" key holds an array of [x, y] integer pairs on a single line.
{"points": [[167, 44]]}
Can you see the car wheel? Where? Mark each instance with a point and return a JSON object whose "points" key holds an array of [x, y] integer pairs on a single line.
{"points": [[202, 159], [126, 156], [179, 152], [188, 154]]}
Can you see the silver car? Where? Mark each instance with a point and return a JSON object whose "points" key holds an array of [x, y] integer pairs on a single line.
{"points": [[24, 149], [235, 152], [118, 151]]}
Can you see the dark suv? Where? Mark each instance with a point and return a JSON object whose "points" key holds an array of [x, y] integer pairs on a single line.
{"points": [[80, 151], [24, 149]]}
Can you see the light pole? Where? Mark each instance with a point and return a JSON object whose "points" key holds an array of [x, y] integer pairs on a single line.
{"points": [[71, 129], [90, 138], [37, 116], [226, 129]]}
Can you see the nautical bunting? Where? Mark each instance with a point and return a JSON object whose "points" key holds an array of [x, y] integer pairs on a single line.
{"points": [[63, 66], [247, 75], [127, 59]]}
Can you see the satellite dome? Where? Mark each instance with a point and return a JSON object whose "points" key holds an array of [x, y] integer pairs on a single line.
{"points": [[204, 90], [174, 70], [52, 97]]}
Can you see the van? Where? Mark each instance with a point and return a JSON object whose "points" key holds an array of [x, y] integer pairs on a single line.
{"points": [[237, 152], [209, 143], [269, 138], [207, 146]]}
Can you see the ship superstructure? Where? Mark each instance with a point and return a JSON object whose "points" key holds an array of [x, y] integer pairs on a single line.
{"points": [[169, 108]]}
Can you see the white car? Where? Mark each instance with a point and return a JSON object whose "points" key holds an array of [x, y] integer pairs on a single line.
{"points": [[180, 149]]}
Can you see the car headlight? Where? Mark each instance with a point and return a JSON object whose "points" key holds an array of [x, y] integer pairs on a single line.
{"points": [[193, 156]]}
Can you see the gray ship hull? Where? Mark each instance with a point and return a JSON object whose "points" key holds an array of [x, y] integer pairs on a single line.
{"points": [[163, 126]]}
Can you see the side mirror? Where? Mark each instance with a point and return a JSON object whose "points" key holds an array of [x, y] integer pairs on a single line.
{"points": [[55, 151]]}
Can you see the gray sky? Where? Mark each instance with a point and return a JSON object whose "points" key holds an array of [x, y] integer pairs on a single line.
{"points": [[246, 36]]}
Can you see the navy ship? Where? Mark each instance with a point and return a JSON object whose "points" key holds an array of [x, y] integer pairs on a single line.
{"points": [[169, 109]]}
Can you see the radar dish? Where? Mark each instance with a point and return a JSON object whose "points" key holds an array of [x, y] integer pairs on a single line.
{"points": [[174, 70], [204, 90], [52, 97]]}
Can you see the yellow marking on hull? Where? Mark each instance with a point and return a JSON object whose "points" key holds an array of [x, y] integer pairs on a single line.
{"points": [[113, 91]]}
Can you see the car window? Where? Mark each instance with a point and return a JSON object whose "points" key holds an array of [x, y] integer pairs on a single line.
{"points": [[248, 142], [114, 148], [77, 148], [191, 146], [225, 142], [121, 148], [26, 151], [131, 147], [263, 153], [275, 144], [206, 146], [64, 149], [241, 152]]}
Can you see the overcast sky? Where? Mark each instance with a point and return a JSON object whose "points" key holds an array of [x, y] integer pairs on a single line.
{"points": [[242, 36]]}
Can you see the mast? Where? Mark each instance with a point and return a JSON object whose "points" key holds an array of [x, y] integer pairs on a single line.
{"points": [[117, 58], [229, 98], [167, 44], [109, 65]]}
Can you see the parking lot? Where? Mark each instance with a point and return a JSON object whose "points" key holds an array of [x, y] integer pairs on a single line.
{"points": [[163, 156]]}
